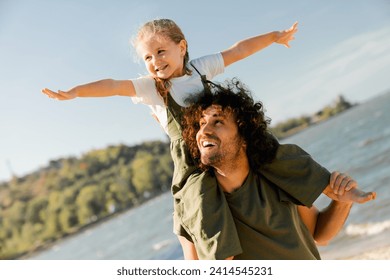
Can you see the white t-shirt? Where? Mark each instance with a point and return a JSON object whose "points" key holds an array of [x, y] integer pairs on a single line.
{"points": [[182, 87]]}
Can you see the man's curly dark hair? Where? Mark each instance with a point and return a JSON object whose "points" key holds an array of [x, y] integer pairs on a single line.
{"points": [[251, 120]]}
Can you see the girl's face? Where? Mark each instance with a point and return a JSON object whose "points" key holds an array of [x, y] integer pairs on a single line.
{"points": [[163, 58]]}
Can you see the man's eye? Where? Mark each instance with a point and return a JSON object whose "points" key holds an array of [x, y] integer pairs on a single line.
{"points": [[148, 58], [161, 51]]}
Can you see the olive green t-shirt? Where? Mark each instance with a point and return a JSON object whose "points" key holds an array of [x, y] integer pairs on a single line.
{"points": [[293, 175], [268, 223]]}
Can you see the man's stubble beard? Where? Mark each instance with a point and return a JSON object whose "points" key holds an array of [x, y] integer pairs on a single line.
{"points": [[227, 158]]}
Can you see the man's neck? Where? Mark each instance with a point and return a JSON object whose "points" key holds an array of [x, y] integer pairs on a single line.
{"points": [[232, 177]]}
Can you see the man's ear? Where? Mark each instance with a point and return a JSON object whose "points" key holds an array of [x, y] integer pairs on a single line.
{"points": [[244, 146]]}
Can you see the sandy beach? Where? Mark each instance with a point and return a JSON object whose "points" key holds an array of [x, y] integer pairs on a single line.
{"points": [[377, 254], [374, 254]]}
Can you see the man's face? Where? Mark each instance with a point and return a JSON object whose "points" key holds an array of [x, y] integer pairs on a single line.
{"points": [[218, 140]]}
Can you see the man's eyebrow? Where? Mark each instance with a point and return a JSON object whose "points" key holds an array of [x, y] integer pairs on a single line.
{"points": [[216, 115], [220, 114]]}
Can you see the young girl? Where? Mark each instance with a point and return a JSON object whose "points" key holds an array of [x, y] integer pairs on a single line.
{"points": [[201, 213]]}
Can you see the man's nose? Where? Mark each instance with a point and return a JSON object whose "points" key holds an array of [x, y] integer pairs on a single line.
{"points": [[206, 128]]}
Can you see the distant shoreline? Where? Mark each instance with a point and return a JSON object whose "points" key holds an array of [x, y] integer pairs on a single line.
{"points": [[295, 125], [50, 244]]}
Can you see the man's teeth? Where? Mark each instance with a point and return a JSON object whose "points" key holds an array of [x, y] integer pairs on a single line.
{"points": [[208, 144]]}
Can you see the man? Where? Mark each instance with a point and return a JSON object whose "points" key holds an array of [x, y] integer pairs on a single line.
{"points": [[227, 132]]}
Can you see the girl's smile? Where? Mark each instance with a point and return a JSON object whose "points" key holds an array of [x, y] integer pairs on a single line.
{"points": [[163, 58]]}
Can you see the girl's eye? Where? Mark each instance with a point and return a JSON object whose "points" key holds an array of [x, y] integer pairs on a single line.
{"points": [[161, 51], [148, 58]]}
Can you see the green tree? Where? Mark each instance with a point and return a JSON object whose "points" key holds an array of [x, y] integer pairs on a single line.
{"points": [[52, 227], [142, 169], [122, 195], [16, 214], [90, 203], [68, 218], [35, 208], [71, 192]]}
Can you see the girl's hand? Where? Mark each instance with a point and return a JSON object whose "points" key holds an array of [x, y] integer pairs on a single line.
{"points": [[344, 189], [60, 95], [341, 183], [285, 36]]}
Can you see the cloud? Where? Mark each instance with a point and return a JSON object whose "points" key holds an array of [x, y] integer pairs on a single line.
{"points": [[352, 67]]}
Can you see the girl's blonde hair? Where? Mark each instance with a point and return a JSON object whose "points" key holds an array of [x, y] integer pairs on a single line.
{"points": [[168, 29]]}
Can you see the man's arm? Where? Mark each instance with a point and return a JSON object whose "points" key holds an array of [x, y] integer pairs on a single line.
{"points": [[249, 46], [324, 225], [188, 248]]}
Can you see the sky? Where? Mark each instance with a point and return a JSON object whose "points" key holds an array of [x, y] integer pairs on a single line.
{"points": [[342, 47]]}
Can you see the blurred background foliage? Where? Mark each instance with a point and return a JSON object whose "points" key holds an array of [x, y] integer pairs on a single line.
{"points": [[71, 193]]}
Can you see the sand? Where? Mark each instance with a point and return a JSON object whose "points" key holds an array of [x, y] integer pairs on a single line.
{"points": [[377, 254]]}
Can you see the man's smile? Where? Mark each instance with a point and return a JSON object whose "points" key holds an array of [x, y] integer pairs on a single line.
{"points": [[206, 144]]}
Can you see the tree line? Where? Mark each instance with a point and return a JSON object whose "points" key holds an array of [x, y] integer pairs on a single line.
{"points": [[71, 193], [294, 125]]}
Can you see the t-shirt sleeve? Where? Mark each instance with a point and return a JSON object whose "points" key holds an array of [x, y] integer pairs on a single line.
{"points": [[146, 92], [295, 172], [210, 65], [206, 218]]}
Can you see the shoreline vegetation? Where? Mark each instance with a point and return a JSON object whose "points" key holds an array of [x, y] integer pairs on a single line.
{"points": [[72, 194], [295, 125]]}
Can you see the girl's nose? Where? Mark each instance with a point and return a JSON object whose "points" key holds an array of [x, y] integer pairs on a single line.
{"points": [[156, 59]]}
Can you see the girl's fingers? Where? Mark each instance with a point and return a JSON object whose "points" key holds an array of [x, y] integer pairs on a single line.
{"points": [[350, 185], [346, 184], [341, 182], [60, 95], [48, 92], [337, 183], [332, 180], [294, 27]]}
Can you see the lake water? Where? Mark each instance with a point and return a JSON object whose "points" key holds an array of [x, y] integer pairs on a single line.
{"points": [[356, 142]]}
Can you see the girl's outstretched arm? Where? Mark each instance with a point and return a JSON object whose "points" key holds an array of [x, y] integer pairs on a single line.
{"points": [[102, 88], [249, 46]]}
